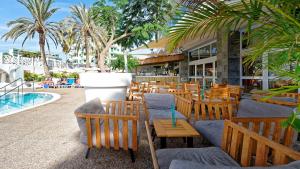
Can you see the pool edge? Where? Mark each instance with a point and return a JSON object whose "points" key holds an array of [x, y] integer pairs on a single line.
{"points": [[56, 97]]}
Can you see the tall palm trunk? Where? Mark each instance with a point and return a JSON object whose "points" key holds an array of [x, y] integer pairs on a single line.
{"points": [[42, 40], [87, 52]]}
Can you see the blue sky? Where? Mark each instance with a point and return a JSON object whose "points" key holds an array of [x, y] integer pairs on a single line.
{"points": [[11, 9]]}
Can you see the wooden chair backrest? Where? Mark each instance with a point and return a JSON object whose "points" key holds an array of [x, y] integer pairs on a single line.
{"points": [[269, 127], [194, 88], [181, 93], [207, 110], [238, 142], [152, 149], [219, 93], [184, 106], [219, 85], [116, 111]]}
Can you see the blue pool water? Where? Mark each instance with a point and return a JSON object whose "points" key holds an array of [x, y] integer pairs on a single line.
{"points": [[14, 102]]}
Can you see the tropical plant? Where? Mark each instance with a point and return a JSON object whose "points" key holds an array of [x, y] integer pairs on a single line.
{"points": [[272, 26], [41, 12], [85, 31], [130, 22], [119, 63]]}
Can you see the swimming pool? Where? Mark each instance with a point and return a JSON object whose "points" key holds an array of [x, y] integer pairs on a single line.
{"points": [[14, 102]]}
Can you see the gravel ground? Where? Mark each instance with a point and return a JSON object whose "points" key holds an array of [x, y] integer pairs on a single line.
{"points": [[48, 137]]}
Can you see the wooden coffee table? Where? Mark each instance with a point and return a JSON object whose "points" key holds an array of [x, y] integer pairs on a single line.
{"points": [[164, 130]]}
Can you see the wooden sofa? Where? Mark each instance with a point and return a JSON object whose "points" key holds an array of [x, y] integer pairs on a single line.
{"points": [[209, 122], [240, 148], [286, 99], [116, 128]]}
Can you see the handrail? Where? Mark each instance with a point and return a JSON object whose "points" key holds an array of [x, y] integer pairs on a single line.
{"points": [[5, 90]]}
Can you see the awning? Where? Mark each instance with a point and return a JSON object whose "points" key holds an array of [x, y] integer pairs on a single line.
{"points": [[162, 59], [159, 44]]}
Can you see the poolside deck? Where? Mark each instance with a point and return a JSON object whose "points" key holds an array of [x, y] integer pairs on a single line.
{"points": [[47, 137]]}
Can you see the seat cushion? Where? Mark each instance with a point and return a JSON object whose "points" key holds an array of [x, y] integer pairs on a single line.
{"points": [[163, 114], [204, 156], [159, 101], [212, 130], [251, 108], [180, 164]]}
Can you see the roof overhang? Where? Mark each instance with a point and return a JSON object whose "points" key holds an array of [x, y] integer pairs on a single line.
{"points": [[162, 59]]}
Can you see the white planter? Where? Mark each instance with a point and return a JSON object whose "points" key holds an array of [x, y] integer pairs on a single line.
{"points": [[106, 86]]}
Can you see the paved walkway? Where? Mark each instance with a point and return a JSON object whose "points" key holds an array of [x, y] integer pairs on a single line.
{"points": [[47, 137]]}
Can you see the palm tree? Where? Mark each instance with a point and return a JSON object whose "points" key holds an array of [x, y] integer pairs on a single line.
{"points": [[276, 33], [41, 12], [87, 32]]}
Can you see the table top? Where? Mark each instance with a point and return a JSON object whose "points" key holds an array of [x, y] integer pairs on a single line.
{"points": [[164, 128]]}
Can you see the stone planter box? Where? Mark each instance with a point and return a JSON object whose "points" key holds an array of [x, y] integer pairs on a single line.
{"points": [[106, 86]]}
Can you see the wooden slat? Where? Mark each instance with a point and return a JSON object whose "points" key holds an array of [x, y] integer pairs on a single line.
{"points": [[107, 135], [116, 134], [203, 111], [210, 112], [98, 132], [279, 158], [234, 144], [89, 132], [246, 151], [134, 135], [217, 112], [260, 159], [266, 130], [125, 134]]}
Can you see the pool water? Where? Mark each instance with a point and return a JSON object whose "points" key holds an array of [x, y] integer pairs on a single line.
{"points": [[13, 102]]}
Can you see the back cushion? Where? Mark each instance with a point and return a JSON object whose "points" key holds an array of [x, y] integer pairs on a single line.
{"points": [[92, 107], [159, 101]]}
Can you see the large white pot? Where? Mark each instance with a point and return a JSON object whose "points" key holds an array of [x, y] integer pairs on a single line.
{"points": [[106, 86]]}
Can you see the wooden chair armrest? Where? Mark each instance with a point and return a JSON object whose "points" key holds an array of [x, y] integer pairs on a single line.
{"points": [[153, 154]]}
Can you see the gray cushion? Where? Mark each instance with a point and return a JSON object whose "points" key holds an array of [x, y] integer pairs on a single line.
{"points": [[180, 164], [205, 156], [212, 130], [163, 114], [251, 108], [92, 107], [159, 101]]}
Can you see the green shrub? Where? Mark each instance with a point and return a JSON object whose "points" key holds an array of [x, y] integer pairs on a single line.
{"points": [[28, 76]]}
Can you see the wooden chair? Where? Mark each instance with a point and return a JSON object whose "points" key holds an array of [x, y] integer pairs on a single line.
{"points": [[269, 127], [193, 88], [126, 112], [210, 110], [239, 142], [133, 89], [181, 93]]}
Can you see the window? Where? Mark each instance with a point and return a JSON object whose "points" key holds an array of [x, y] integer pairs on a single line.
{"points": [[192, 70], [194, 55], [200, 70], [209, 69], [204, 52], [214, 49], [254, 69]]}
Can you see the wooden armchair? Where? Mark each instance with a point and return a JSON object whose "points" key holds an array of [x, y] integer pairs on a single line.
{"points": [[117, 127], [244, 147]]}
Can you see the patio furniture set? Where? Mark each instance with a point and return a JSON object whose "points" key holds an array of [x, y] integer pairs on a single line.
{"points": [[242, 132]]}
